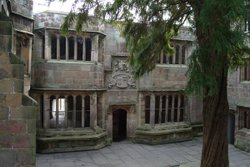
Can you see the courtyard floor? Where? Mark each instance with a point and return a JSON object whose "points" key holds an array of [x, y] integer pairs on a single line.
{"points": [[127, 154]]}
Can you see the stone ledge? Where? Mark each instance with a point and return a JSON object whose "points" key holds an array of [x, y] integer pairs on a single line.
{"points": [[242, 138], [172, 132], [71, 140]]}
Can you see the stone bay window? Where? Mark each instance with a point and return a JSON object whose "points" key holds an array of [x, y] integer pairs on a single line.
{"points": [[164, 108], [245, 73], [164, 118], [72, 47], [244, 118], [68, 111], [179, 56]]}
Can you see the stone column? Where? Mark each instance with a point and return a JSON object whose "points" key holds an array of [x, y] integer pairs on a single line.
{"points": [[74, 111], [47, 47], [140, 109], [93, 111], [75, 48], [58, 47], [66, 113], [160, 110], [152, 110], [30, 55], [178, 110], [57, 111], [83, 49], [67, 48], [46, 112], [83, 111], [172, 109], [13, 41], [166, 116]]}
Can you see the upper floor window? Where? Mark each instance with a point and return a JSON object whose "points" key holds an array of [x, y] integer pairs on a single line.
{"points": [[245, 73], [178, 57], [244, 118], [247, 20], [70, 48]]}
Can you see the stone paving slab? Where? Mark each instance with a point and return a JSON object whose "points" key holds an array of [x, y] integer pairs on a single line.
{"points": [[127, 154]]}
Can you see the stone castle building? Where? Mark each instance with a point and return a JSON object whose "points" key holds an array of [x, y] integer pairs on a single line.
{"points": [[86, 96]]}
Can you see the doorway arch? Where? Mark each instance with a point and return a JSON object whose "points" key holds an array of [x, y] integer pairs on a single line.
{"points": [[119, 125]]}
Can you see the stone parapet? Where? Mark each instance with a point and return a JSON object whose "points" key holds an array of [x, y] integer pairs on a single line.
{"points": [[242, 139], [167, 133], [50, 140]]}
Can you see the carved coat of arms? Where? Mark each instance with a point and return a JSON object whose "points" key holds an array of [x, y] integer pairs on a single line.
{"points": [[121, 76]]}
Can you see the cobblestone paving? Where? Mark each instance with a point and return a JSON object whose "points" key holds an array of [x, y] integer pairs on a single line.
{"points": [[127, 154]]}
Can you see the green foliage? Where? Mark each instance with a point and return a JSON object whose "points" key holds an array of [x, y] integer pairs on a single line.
{"points": [[222, 44]]}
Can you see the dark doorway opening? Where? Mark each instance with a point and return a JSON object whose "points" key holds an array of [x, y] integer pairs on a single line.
{"points": [[119, 125], [231, 128]]}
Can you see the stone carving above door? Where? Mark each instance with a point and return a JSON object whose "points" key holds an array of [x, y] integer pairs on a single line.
{"points": [[121, 76]]}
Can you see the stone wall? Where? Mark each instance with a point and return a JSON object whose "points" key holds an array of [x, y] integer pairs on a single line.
{"points": [[67, 75], [17, 111]]}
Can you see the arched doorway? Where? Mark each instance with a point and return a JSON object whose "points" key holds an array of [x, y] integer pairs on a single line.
{"points": [[119, 125]]}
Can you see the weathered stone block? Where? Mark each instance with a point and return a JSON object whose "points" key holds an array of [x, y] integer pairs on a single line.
{"points": [[7, 158], [31, 123], [242, 139], [14, 100], [24, 112], [4, 113], [3, 73], [7, 86], [26, 157], [12, 127], [5, 43]]}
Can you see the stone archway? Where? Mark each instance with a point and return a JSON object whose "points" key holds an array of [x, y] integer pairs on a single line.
{"points": [[119, 125]]}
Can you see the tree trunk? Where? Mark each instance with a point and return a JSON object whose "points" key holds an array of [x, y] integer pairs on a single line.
{"points": [[215, 114]]}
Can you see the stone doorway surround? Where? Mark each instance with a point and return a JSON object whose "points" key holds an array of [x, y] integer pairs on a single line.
{"points": [[131, 119]]}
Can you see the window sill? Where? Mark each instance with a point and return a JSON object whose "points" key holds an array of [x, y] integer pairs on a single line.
{"points": [[244, 82], [172, 65], [70, 62]]}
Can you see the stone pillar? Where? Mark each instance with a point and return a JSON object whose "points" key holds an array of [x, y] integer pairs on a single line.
{"points": [[66, 113], [47, 47], [140, 109], [94, 52], [46, 113], [75, 48], [83, 49], [57, 112], [67, 48], [58, 47], [178, 110], [30, 55], [83, 111], [74, 111], [152, 110], [172, 109], [93, 111], [160, 110], [166, 116]]}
